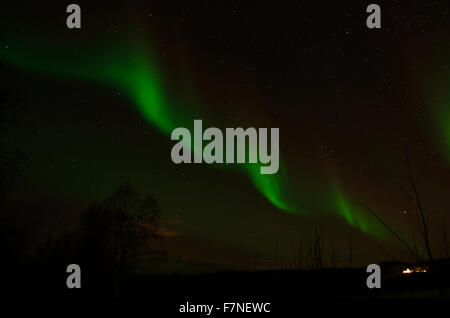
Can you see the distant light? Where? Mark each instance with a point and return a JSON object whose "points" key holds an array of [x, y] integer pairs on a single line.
{"points": [[414, 270], [407, 271]]}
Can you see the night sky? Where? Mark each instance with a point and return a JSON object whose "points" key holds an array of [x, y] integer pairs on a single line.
{"points": [[98, 105]]}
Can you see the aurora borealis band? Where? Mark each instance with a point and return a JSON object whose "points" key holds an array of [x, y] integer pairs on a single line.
{"points": [[136, 73], [104, 100], [132, 72]]}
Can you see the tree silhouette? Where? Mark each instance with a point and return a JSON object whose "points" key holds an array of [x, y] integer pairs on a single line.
{"points": [[415, 197], [122, 228]]}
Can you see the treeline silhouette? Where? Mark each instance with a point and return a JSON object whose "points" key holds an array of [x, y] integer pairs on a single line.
{"points": [[113, 237]]}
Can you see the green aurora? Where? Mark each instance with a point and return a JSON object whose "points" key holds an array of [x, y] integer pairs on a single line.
{"points": [[134, 70], [438, 99]]}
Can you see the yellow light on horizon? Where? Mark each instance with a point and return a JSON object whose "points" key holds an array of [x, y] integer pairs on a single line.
{"points": [[407, 271]]}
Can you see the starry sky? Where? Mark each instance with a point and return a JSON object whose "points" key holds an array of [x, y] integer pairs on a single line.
{"points": [[99, 104]]}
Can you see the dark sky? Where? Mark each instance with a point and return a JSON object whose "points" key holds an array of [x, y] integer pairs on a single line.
{"points": [[346, 99]]}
